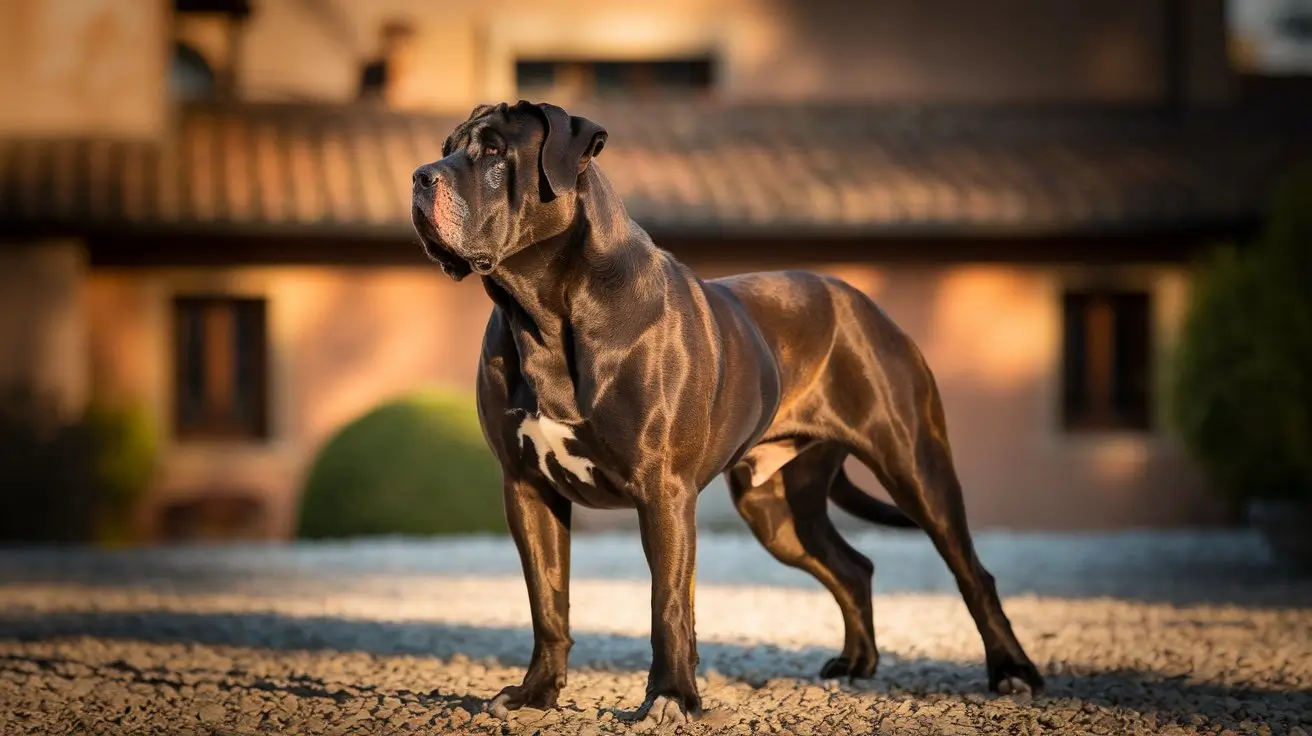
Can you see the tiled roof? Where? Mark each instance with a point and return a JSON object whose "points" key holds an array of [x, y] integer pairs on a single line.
{"points": [[867, 170]]}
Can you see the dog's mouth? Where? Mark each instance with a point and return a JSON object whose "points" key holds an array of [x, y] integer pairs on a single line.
{"points": [[455, 267]]}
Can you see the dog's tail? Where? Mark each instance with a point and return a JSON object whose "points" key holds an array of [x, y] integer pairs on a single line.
{"points": [[858, 503]]}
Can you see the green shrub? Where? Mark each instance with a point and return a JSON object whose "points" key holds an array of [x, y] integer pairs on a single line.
{"points": [[418, 465], [1241, 384], [126, 447], [72, 482]]}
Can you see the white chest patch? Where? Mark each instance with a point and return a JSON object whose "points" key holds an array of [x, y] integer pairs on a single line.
{"points": [[549, 438]]}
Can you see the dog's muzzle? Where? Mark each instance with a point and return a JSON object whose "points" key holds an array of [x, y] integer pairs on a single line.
{"points": [[452, 265]]}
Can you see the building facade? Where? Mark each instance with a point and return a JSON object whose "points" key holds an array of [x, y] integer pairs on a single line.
{"points": [[204, 208]]}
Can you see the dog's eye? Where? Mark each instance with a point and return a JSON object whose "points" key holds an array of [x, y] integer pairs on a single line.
{"points": [[491, 151]]}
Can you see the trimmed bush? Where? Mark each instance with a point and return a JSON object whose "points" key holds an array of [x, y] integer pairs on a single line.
{"points": [[72, 482], [418, 465], [127, 446], [1241, 384]]}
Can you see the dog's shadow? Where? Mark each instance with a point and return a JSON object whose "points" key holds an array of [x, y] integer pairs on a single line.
{"points": [[722, 663]]}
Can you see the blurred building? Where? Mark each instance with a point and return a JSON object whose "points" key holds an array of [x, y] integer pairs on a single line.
{"points": [[204, 205]]}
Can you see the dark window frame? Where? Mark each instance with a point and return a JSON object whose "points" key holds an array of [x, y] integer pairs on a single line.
{"points": [[220, 351], [375, 72], [692, 75], [235, 8], [1107, 363], [191, 77]]}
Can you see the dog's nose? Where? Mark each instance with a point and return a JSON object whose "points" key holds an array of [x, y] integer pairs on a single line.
{"points": [[425, 177]]}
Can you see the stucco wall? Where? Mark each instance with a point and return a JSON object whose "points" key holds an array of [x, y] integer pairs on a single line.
{"points": [[77, 67], [101, 66], [945, 51], [340, 343], [345, 340]]}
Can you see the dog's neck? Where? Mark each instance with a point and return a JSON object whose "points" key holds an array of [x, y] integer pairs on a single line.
{"points": [[586, 280]]}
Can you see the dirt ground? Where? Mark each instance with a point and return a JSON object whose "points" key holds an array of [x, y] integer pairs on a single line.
{"points": [[1139, 633]]}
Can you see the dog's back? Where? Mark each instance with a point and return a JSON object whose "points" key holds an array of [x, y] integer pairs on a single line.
{"points": [[819, 327]]}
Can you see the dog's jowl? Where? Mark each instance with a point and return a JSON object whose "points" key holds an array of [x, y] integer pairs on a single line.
{"points": [[612, 377]]}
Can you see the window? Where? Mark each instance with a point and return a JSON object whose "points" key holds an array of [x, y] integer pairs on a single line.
{"points": [[220, 359], [1107, 372], [191, 77], [394, 40], [373, 79], [579, 79], [240, 8]]}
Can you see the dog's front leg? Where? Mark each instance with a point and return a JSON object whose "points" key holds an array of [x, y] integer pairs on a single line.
{"points": [[539, 522], [668, 525]]}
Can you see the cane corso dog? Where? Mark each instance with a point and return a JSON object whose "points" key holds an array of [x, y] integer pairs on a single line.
{"points": [[613, 377]]}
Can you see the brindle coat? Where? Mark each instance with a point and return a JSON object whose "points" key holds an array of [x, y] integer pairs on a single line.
{"points": [[613, 377]]}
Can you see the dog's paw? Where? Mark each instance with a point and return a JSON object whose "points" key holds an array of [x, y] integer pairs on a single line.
{"points": [[515, 697], [1020, 680], [1017, 688], [858, 669], [499, 707], [663, 711]]}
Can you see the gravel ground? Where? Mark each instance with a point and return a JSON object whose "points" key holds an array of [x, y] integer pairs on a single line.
{"points": [[1137, 633]]}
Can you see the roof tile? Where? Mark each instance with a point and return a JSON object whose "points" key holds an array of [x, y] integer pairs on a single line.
{"points": [[724, 168]]}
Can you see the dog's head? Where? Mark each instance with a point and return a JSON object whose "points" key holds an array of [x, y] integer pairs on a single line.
{"points": [[508, 178]]}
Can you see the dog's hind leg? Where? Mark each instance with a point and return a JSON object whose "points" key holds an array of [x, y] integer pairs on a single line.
{"points": [[912, 459], [789, 516]]}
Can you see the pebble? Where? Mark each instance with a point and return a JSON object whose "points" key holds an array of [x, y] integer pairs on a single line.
{"points": [[212, 713]]}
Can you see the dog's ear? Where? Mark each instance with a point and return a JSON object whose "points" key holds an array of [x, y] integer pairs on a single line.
{"points": [[480, 110], [569, 146]]}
